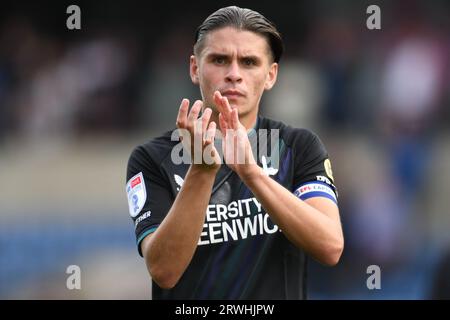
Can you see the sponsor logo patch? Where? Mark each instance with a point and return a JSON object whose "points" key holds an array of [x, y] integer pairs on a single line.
{"points": [[137, 195], [144, 216]]}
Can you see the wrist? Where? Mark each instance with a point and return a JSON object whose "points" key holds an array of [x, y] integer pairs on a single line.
{"points": [[250, 173], [202, 171]]}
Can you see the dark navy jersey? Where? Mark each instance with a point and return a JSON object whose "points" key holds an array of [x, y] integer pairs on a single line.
{"points": [[241, 253]]}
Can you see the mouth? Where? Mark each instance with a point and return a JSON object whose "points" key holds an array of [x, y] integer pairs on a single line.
{"points": [[232, 94]]}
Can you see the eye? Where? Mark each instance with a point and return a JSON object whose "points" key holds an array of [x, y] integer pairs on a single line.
{"points": [[219, 60], [249, 62]]}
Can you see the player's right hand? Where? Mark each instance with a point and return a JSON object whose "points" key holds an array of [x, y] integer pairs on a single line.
{"points": [[197, 135]]}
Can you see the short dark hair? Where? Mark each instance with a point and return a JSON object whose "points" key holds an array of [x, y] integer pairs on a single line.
{"points": [[241, 19]]}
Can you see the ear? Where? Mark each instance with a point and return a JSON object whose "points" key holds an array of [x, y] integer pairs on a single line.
{"points": [[271, 76], [193, 68]]}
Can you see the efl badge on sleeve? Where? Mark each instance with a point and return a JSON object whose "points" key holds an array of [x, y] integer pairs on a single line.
{"points": [[137, 195]]}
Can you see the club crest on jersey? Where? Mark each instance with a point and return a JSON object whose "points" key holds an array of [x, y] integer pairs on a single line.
{"points": [[137, 195]]}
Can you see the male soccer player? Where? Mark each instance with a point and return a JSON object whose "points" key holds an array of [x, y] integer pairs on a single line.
{"points": [[241, 227]]}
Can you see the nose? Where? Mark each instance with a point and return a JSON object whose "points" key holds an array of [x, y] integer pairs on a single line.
{"points": [[233, 73]]}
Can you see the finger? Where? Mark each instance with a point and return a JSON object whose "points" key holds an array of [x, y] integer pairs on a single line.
{"points": [[234, 119], [212, 136], [229, 146], [209, 144], [219, 103], [223, 124], [182, 114], [226, 106], [211, 133], [206, 116], [193, 114]]}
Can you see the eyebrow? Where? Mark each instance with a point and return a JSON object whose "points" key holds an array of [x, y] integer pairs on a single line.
{"points": [[217, 55], [213, 55]]}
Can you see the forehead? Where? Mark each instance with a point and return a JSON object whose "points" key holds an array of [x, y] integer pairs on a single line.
{"points": [[230, 40]]}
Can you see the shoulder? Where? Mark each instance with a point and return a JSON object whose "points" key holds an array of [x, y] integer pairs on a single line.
{"points": [[291, 136], [155, 150]]}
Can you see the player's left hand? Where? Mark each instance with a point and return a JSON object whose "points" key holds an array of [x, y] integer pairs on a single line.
{"points": [[237, 150]]}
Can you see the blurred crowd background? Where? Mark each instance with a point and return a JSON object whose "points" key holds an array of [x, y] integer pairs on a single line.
{"points": [[74, 103]]}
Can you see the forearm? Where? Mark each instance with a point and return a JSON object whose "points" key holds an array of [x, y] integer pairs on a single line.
{"points": [[314, 231], [174, 242]]}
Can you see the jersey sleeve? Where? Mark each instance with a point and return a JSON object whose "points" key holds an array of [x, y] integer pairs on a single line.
{"points": [[148, 193], [313, 176]]}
